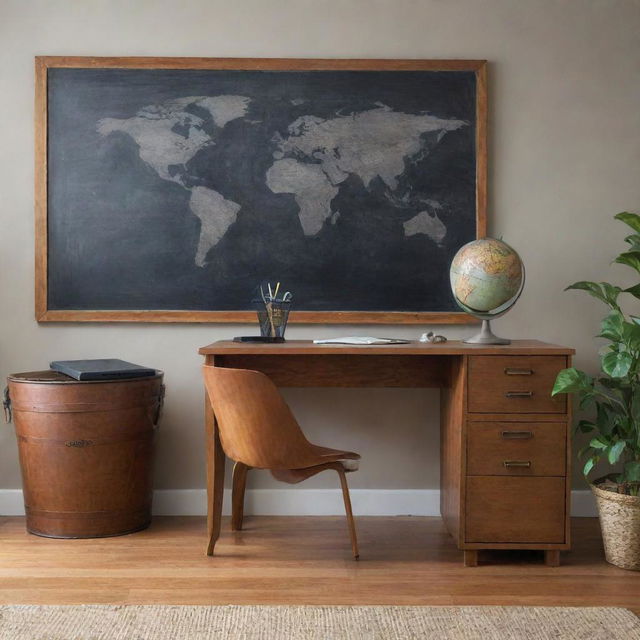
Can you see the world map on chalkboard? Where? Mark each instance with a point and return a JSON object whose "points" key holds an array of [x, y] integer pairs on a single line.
{"points": [[311, 161], [183, 189]]}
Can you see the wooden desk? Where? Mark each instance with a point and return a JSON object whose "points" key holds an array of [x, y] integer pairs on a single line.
{"points": [[505, 442]]}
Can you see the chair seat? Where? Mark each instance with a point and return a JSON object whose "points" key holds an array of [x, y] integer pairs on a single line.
{"points": [[326, 454], [293, 476]]}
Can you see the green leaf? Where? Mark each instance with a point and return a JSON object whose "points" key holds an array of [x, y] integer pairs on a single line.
{"points": [[634, 291], [611, 293], [586, 285], [605, 418], [631, 336], [607, 293], [624, 428], [610, 384], [613, 394], [599, 442], [571, 380], [615, 451], [591, 462], [586, 398], [631, 219], [612, 326], [635, 319], [634, 241], [632, 471], [630, 258], [617, 365], [584, 450], [635, 405], [585, 426]]}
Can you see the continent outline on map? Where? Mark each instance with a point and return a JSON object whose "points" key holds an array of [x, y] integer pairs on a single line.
{"points": [[310, 163], [168, 136]]}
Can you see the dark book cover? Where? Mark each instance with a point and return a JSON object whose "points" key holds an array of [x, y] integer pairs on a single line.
{"points": [[106, 369]]}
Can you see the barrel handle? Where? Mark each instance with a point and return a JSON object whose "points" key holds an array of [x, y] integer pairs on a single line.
{"points": [[6, 405], [156, 418]]}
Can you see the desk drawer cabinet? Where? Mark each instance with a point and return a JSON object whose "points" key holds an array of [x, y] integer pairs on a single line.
{"points": [[508, 384], [506, 452], [516, 449], [520, 510]]}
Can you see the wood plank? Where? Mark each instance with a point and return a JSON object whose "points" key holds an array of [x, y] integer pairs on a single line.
{"points": [[449, 348], [209, 420], [234, 317], [263, 64], [481, 151], [403, 561], [518, 546], [40, 195], [341, 370], [216, 463], [569, 449], [452, 449]]}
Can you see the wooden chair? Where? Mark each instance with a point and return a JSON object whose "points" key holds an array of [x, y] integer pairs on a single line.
{"points": [[258, 431]]}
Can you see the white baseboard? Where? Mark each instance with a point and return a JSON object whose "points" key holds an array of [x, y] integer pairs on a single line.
{"points": [[303, 502], [306, 502]]}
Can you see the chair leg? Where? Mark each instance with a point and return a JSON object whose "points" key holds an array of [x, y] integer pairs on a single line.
{"points": [[347, 508], [215, 480], [237, 495]]}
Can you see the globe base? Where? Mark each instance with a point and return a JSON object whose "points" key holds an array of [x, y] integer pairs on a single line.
{"points": [[486, 336]]}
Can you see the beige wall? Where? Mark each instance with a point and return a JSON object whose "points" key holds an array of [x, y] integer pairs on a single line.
{"points": [[564, 87]]}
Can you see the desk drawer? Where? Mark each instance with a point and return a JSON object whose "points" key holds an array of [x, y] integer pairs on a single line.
{"points": [[515, 384], [516, 510], [516, 448]]}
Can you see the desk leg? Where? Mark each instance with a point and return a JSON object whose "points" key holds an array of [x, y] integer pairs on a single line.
{"points": [[215, 476]]}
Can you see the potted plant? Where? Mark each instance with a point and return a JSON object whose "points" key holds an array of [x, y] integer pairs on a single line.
{"points": [[614, 395]]}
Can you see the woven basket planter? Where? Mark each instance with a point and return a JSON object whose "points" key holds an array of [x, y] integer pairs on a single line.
{"points": [[620, 524]]}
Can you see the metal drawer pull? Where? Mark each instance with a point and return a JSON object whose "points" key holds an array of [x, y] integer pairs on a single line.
{"points": [[517, 463], [518, 372], [518, 394], [517, 435]]}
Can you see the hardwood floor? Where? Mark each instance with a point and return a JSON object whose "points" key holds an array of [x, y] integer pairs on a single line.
{"points": [[403, 560]]}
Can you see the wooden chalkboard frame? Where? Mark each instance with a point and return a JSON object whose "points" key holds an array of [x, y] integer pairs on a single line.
{"points": [[44, 63]]}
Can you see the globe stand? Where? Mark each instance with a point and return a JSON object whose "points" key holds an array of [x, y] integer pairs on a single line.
{"points": [[486, 336], [503, 276]]}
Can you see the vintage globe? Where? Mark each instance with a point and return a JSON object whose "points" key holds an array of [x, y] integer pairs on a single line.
{"points": [[487, 277]]}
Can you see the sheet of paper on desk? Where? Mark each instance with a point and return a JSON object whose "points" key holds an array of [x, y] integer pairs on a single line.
{"points": [[362, 340]]}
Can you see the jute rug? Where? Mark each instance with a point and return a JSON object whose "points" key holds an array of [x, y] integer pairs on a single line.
{"points": [[106, 622]]}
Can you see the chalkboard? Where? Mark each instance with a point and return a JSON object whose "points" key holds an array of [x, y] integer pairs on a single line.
{"points": [[169, 188]]}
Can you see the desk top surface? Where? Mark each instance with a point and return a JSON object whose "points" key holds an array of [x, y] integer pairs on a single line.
{"points": [[449, 348]]}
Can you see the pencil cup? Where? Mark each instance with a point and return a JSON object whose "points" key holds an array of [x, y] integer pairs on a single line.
{"points": [[272, 317]]}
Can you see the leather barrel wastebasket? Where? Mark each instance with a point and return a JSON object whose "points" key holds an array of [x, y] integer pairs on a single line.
{"points": [[86, 452]]}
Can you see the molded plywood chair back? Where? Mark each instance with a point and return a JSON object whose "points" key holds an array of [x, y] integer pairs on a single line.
{"points": [[258, 430], [256, 426]]}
